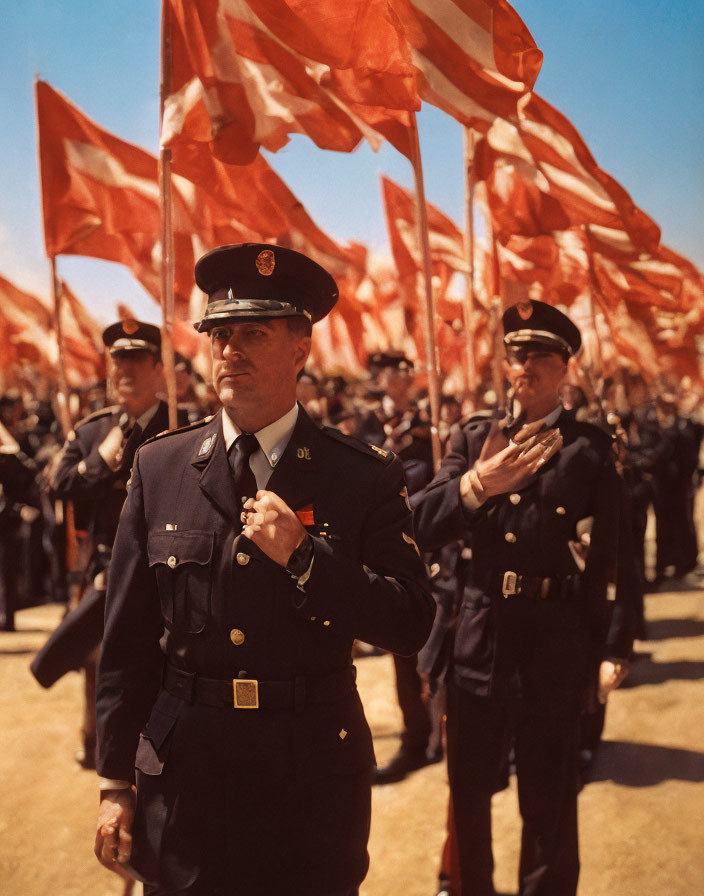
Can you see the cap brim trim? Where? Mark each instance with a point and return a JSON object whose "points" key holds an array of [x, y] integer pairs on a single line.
{"points": [[219, 312], [541, 336], [131, 345]]}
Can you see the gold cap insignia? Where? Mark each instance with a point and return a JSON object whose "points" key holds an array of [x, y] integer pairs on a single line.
{"points": [[266, 262], [130, 326], [525, 309]]}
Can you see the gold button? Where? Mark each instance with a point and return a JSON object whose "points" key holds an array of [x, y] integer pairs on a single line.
{"points": [[82, 467], [514, 498], [313, 618], [327, 622], [561, 511], [510, 537], [242, 559], [237, 637], [171, 562]]}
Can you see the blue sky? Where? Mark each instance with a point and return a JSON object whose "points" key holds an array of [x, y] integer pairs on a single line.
{"points": [[629, 75]]}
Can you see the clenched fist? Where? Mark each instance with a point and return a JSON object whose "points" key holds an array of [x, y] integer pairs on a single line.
{"points": [[273, 526]]}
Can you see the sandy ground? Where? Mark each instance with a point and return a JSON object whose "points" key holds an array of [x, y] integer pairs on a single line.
{"points": [[641, 817]]}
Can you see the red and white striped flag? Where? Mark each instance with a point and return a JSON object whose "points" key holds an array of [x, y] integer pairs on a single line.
{"points": [[475, 58], [541, 177], [237, 86]]}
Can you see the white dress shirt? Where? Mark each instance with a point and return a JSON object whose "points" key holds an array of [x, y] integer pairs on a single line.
{"points": [[272, 439]]}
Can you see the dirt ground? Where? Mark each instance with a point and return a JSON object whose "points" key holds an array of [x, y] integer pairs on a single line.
{"points": [[641, 815]]}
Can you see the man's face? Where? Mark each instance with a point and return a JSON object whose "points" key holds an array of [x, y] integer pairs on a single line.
{"points": [[255, 364], [395, 383], [535, 374], [136, 378]]}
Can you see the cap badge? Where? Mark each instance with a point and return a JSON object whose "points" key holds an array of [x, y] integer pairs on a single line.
{"points": [[130, 327], [525, 309], [266, 262]]}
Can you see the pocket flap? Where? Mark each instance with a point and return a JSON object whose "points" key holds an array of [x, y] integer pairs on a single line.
{"points": [[177, 548], [147, 759]]}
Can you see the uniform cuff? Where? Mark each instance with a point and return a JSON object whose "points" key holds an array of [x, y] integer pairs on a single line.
{"points": [[114, 784]]}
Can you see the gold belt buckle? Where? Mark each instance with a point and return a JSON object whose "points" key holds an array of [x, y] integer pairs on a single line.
{"points": [[510, 584], [246, 693]]}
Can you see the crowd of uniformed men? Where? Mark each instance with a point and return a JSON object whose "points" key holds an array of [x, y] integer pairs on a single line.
{"points": [[532, 534]]}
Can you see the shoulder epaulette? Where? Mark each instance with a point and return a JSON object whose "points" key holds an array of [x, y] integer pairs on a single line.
{"points": [[96, 415], [172, 432], [352, 442]]}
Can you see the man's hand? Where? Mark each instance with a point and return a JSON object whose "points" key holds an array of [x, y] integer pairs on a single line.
{"points": [[511, 468], [110, 449], [113, 837], [611, 674], [273, 526]]}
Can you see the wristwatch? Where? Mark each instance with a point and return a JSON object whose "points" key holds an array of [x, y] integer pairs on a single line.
{"points": [[300, 560]]}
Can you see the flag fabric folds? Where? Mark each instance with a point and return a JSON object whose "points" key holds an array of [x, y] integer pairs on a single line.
{"points": [[541, 177], [236, 86], [28, 337]]}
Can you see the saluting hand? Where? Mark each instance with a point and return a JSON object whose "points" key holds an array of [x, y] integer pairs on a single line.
{"points": [[110, 449], [273, 526], [113, 837], [511, 468]]}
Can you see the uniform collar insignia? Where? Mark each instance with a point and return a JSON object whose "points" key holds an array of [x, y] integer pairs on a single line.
{"points": [[206, 447]]}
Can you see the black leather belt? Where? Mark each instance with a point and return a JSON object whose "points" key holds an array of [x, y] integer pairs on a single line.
{"points": [[512, 584], [250, 693]]}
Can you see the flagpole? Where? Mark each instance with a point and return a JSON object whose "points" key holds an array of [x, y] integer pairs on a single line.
{"points": [[167, 230], [497, 304], [424, 240], [468, 306], [62, 393]]}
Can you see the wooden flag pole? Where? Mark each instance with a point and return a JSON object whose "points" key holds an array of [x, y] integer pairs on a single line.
{"points": [[62, 393], [469, 306], [167, 230], [430, 350]]}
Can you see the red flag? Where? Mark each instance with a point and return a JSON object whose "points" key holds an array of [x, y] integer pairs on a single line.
{"points": [[541, 177], [446, 241], [28, 334], [236, 86], [475, 58]]}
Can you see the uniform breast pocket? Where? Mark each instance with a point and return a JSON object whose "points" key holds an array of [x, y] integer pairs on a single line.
{"points": [[183, 564]]}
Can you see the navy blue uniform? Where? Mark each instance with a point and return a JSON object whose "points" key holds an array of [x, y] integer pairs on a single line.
{"points": [[97, 493], [539, 648], [274, 799]]}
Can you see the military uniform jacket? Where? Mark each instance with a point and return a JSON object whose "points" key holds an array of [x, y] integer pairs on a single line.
{"points": [[531, 532], [83, 476], [262, 796]]}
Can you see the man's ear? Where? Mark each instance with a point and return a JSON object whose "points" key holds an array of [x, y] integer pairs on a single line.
{"points": [[301, 352]]}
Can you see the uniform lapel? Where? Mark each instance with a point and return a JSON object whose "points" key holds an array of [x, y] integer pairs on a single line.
{"points": [[216, 481], [294, 477]]}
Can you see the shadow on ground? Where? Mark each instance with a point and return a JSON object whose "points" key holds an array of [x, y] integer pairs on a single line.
{"points": [[645, 765], [660, 629], [644, 671]]}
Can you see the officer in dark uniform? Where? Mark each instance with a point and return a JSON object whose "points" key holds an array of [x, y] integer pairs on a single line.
{"points": [[20, 503], [92, 473], [540, 498], [398, 425], [253, 549]]}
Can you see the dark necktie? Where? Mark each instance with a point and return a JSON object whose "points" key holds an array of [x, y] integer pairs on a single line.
{"points": [[132, 435], [238, 456]]}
